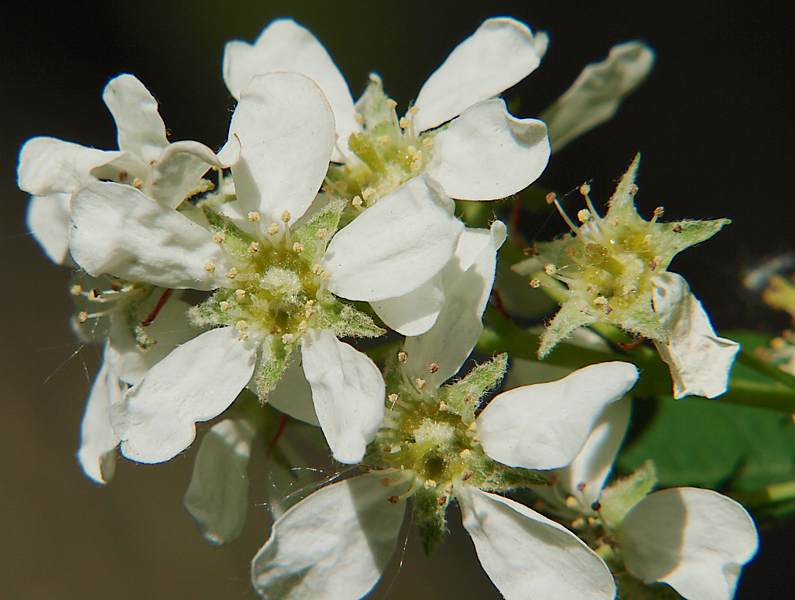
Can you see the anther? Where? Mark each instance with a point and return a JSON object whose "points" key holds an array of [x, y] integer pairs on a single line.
{"points": [[209, 266], [466, 476], [393, 499], [367, 194], [286, 216], [402, 356], [253, 216], [571, 502], [393, 398], [76, 289], [223, 305], [584, 215], [253, 248], [219, 237], [82, 316], [585, 189], [429, 484], [288, 338], [427, 142], [551, 197], [321, 233], [535, 283], [358, 118], [677, 228], [241, 325], [138, 183], [94, 294], [232, 273], [442, 500], [391, 104], [357, 201], [240, 294], [465, 453], [433, 367], [443, 406], [404, 123], [298, 247], [420, 383], [658, 212], [550, 269], [633, 189], [273, 229]]}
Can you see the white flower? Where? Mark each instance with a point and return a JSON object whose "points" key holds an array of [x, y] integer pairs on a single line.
{"points": [[52, 170], [695, 540], [483, 154], [699, 360], [336, 542], [285, 131]]}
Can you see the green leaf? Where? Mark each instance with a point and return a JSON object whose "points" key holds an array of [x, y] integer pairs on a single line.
{"points": [[622, 495], [707, 443]]}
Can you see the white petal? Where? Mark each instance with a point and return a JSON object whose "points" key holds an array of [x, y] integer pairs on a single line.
{"points": [[467, 282], [47, 165], [395, 246], [286, 46], [140, 130], [292, 394], [118, 230], [699, 360], [196, 382], [695, 540], [286, 132], [348, 392], [486, 153], [217, 496], [98, 441], [585, 477], [596, 94], [335, 543], [170, 328], [544, 426], [498, 55], [414, 313], [48, 221], [527, 555], [178, 172]]}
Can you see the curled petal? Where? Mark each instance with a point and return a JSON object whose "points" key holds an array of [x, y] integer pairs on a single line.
{"points": [[596, 94], [499, 54], [413, 313], [395, 246], [196, 382], [286, 46], [486, 153], [286, 132], [140, 129], [699, 360], [695, 540], [217, 496], [98, 440], [348, 393], [179, 170], [335, 543], [118, 230], [527, 555], [544, 426], [48, 221]]}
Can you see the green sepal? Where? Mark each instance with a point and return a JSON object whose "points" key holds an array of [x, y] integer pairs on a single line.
{"points": [[273, 362], [622, 495], [346, 320], [462, 396], [318, 229], [430, 510]]}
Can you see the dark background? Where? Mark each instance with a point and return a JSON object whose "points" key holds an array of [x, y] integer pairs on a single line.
{"points": [[714, 123]]}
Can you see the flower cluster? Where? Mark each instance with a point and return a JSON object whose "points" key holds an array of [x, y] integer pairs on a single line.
{"points": [[225, 284]]}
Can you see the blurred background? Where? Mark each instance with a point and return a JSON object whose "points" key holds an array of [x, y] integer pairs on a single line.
{"points": [[714, 123]]}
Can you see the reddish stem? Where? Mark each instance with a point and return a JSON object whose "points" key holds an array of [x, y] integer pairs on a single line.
{"points": [[161, 302], [498, 304], [276, 436], [631, 345], [516, 215]]}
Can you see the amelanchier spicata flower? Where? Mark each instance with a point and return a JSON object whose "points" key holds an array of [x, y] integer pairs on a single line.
{"points": [[693, 539], [615, 271], [433, 448], [52, 170], [266, 257], [483, 154]]}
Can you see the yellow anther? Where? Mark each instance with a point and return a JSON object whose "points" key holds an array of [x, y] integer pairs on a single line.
{"points": [[209, 266], [550, 269], [584, 215], [383, 140], [443, 406], [429, 484], [253, 248], [298, 247], [223, 305], [571, 502], [321, 233], [358, 118], [232, 273], [427, 142], [241, 325], [404, 123], [368, 193], [402, 356], [357, 201], [138, 183], [93, 295], [391, 104], [82, 316], [288, 338], [433, 367], [393, 398], [240, 294], [253, 216], [219, 237], [551, 197], [273, 229], [535, 283], [286, 216], [585, 189], [420, 383], [465, 453], [413, 111], [76, 289]]}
